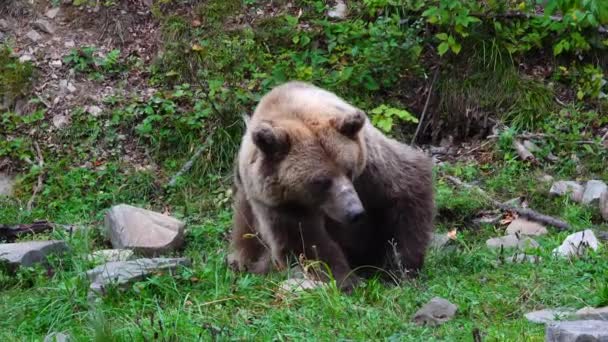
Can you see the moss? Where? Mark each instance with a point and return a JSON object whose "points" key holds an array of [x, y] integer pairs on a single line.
{"points": [[15, 77], [214, 12]]}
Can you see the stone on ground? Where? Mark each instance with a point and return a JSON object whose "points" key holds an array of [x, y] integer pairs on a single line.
{"points": [[577, 244], [511, 241], [521, 258], [120, 273], [524, 227], [437, 311], [142, 230], [44, 26], [577, 331], [33, 36], [111, 255], [604, 205], [439, 241], [296, 285], [561, 188], [549, 315], [339, 11], [57, 337], [31, 252], [6, 184], [593, 191], [52, 13], [599, 314]]}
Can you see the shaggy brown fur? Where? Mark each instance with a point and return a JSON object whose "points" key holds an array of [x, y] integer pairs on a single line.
{"points": [[308, 166]]}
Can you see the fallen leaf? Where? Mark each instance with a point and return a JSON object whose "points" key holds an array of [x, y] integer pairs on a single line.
{"points": [[196, 23], [452, 234], [197, 48]]}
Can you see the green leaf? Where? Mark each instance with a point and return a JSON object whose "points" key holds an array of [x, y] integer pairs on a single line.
{"points": [[442, 36], [443, 48], [456, 47]]}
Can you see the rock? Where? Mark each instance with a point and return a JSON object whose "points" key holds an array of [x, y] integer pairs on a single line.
{"points": [[25, 58], [69, 44], [121, 273], [71, 88], [338, 11], [511, 241], [56, 64], [33, 36], [143, 230], [437, 311], [297, 285], [589, 313], [111, 255], [524, 227], [44, 26], [604, 205], [4, 25], [66, 86], [576, 244], [561, 188], [60, 121], [57, 337], [593, 190], [94, 110], [7, 182], [521, 258], [52, 13], [549, 315], [438, 241], [577, 331], [31, 252]]}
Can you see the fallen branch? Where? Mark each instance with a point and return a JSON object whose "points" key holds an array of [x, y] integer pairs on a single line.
{"points": [[40, 182], [11, 233], [188, 165], [426, 105], [523, 152], [527, 213]]}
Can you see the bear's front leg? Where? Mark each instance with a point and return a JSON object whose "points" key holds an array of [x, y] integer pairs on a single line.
{"points": [[318, 244]]}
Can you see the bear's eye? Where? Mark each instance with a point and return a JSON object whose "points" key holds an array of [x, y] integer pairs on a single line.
{"points": [[322, 183]]}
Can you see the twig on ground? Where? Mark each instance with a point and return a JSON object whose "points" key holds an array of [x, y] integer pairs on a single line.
{"points": [[426, 106], [40, 182], [525, 212], [188, 165], [523, 152], [11, 233]]}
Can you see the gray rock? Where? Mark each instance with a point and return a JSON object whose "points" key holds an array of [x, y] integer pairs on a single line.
{"points": [[52, 13], [143, 230], [60, 121], [546, 178], [339, 11], [604, 205], [44, 26], [561, 188], [25, 58], [521, 258], [593, 191], [549, 315], [577, 331], [111, 255], [56, 64], [57, 337], [589, 313], [4, 25], [31, 252], [438, 241], [437, 311], [524, 227], [511, 241], [33, 36], [296, 285], [69, 44], [7, 182], [94, 110], [577, 244], [120, 273]]}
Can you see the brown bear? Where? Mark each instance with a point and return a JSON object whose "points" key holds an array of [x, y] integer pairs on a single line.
{"points": [[314, 177]]}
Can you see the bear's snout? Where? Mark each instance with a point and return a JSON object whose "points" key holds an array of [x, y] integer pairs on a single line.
{"points": [[355, 214], [343, 203]]}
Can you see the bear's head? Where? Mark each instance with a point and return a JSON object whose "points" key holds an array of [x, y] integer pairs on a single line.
{"points": [[308, 164]]}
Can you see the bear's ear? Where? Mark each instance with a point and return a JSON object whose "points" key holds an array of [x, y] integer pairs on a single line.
{"points": [[351, 124], [272, 141]]}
